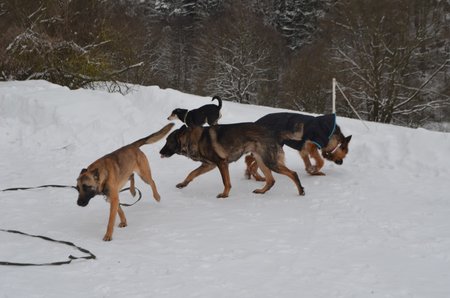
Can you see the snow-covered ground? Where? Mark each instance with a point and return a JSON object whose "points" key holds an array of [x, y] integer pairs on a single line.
{"points": [[377, 226]]}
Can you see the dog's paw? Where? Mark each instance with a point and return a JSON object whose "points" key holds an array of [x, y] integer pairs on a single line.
{"points": [[181, 185], [157, 197], [318, 173], [314, 171], [301, 192], [311, 170], [222, 196], [259, 191], [123, 225], [107, 237]]}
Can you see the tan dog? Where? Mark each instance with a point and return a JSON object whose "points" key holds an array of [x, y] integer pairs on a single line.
{"points": [[110, 173]]}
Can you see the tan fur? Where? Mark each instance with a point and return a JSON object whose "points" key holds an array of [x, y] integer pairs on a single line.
{"points": [[309, 151], [110, 173], [252, 169], [219, 145]]}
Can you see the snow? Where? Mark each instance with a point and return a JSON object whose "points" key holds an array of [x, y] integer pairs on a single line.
{"points": [[377, 226]]}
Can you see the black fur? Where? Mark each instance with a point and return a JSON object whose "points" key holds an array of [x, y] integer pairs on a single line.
{"points": [[205, 114], [318, 130]]}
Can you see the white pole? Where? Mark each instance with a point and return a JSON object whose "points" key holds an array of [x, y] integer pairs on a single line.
{"points": [[350, 104], [334, 96]]}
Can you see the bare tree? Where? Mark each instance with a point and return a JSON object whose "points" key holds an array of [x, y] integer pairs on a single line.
{"points": [[381, 50], [239, 55]]}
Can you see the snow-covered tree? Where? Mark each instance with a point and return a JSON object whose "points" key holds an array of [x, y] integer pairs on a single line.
{"points": [[239, 53], [72, 43], [384, 54], [297, 20]]}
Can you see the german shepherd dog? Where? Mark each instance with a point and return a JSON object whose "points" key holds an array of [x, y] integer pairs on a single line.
{"points": [[320, 132], [219, 145], [205, 114], [107, 175]]}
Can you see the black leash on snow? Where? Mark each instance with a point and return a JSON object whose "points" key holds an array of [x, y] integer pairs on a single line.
{"points": [[71, 258], [89, 256], [73, 187]]}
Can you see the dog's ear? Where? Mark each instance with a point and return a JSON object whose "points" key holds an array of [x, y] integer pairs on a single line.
{"points": [[345, 142], [83, 171], [96, 174], [347, 139]]}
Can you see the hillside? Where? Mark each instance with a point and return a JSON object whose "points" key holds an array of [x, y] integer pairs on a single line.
{"points": [[377, 226]]}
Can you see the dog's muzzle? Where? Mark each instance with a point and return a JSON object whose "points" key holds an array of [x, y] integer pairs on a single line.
{"points": [[166, 152], [338, 161], [83, 201]]}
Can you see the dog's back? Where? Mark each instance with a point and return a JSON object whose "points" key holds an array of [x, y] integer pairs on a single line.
{"points": [[316, 129], [236, 139], [285, 121]]}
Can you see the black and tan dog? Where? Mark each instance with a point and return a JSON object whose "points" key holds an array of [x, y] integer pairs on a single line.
{"points": [[320, 132], [219, 145], [107, 175], [205, 114]]}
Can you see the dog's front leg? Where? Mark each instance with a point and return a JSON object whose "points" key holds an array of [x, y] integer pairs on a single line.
{"points": [[304, 154], [204, 168], [318, 160], [225, 173], [310, 149], [113, 210]]}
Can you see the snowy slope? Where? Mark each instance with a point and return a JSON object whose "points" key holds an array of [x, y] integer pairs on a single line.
{"points": [[377, 226]]}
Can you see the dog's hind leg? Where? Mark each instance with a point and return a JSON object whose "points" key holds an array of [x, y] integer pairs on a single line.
{"points": [[132, 186], [146, 175], [123, 219], [270, 181], [204, 168], [282, 169], [225, 173]]}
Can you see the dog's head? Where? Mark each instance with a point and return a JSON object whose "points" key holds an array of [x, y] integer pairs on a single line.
{"points": [[337, 148], [88, 186], [177, 114], [173, 143]]}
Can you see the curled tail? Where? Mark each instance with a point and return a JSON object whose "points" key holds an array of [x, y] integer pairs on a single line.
{"points": [[154, 137], [218, 99], [295, 134]]}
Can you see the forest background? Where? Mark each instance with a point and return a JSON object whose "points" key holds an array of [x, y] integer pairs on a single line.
{"points": [[390, 57]]}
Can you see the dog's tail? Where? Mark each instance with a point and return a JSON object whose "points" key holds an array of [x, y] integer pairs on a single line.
{"points": [[295, 134], [154, 137], [218, 99]]}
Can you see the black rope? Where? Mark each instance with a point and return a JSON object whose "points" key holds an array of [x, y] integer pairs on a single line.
{"points": [[137, 200], [71, 258], [74, 187], [42, 186]]}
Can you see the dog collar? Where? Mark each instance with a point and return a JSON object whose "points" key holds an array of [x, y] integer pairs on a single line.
{"points": [[185, 117], [335, 148]]}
